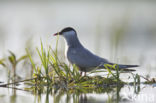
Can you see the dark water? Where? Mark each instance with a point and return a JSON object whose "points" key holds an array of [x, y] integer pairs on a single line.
{"points": [[123, 32]]}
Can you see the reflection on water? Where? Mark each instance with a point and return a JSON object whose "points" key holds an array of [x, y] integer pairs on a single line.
{"points": [[126, 94]]}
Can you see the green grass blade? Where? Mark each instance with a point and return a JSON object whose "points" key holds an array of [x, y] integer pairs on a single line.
{"points": [[22, 58], [2, 62], [31, 60]]}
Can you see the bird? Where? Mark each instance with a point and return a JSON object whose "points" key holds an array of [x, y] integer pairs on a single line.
{"points": [[84, 59]]}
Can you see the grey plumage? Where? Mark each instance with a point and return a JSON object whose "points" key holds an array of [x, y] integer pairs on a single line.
{"points": [[84, 59], [80, 56]]}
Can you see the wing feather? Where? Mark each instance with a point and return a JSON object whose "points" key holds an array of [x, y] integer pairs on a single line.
{"points": [[84, 58]]}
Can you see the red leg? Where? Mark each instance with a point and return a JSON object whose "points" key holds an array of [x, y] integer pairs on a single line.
{"points": [[81, 73], [85, 74]]}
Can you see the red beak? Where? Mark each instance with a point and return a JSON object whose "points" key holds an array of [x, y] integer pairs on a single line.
{"points": [[56, 34]]}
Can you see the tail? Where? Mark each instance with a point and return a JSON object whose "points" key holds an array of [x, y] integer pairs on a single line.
{"points": [[123, 67], [127, 66]]}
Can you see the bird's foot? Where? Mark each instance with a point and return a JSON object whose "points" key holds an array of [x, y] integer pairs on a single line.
{"points": [[81, 73]]}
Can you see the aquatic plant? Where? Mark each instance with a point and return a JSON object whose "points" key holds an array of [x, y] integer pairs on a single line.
{"points": [[2, 62], [13, 61], [61, 75]]}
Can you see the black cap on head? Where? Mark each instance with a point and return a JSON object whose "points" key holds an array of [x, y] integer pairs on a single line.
{"points": [[67, 29]]}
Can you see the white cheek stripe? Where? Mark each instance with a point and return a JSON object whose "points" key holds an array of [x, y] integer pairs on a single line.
{"points": [[66, 48]]}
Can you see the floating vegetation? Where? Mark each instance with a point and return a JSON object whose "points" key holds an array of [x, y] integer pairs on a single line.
{"points": [[150, 80], [55, 74], [53, 77], [52, 72]]}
